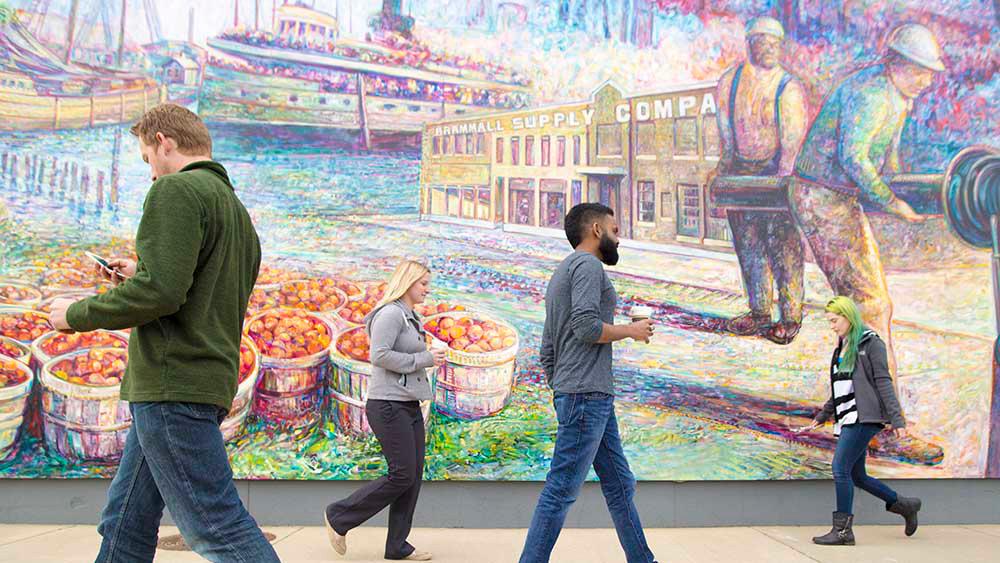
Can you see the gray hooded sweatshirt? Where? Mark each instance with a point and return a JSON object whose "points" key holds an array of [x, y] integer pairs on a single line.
{"points": [[873, 391], [399, 354]]}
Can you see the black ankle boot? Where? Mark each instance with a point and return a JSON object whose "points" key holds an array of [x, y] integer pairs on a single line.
{"points": [[841, 534], [907, 507]]}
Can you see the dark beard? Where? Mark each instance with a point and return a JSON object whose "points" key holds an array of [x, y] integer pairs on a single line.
{"points": [[759, 62], [609, 250]]}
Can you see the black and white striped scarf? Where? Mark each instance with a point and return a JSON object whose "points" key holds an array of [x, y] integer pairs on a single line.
{"points": [[845, 409]]}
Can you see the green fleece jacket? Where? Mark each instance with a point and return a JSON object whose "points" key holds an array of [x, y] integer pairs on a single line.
{"points": [[198, 261]]}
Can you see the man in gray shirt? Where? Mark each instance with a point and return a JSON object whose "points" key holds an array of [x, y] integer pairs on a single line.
{"points": [[576, 357]]}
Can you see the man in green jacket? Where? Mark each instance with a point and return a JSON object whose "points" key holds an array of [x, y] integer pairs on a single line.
{"points": [[186, 298], [852, 143]]}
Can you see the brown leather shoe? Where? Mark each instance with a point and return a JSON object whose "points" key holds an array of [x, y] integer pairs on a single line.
{"points": [[782, 333], [749, 324]]}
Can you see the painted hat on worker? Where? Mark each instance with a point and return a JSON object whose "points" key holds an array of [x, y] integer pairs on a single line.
{"points": [[917, 44], [768, 26]]}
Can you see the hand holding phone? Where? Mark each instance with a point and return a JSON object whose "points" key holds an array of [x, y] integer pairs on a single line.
{"points": [[104, 263], [114, 271]]}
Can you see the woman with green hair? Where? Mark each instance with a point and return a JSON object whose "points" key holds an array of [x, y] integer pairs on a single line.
{"points": [[862, 401]]}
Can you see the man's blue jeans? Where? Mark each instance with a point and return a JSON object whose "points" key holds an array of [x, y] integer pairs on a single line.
{"points": [[175, 456], [587, 436]]}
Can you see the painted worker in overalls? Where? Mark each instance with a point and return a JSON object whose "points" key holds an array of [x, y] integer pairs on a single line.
{"points": [[852, 143], [762, 121]]}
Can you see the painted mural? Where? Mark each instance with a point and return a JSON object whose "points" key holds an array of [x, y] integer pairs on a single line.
{"points": [[459, 132]]}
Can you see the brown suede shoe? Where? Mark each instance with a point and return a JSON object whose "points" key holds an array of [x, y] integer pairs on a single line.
{"points": [[418, 555]]}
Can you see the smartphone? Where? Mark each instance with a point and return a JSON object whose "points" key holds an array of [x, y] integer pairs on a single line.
{"points": [[104, 263]]}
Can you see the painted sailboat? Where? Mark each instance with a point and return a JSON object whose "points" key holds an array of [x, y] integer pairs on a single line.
{"points": [[41, 90]]}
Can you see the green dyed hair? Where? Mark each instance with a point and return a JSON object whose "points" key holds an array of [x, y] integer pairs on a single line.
{"points": [[846, 308]]}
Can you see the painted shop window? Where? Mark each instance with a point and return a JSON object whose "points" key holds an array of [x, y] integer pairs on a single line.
{"points": [[523, 207], [554, 208], [481, 144], [647, 202], [529, 150], [483, 209], [522, 201], [645, 138], [710, 131], [469, 149], [576, 149], [515, 150], [454, 203], [546, 150], [436, 146], [553, 203], [609, 140], [561, 151], [577, 188], [439, 202], [686, 136], [468, 203], [499, 150], [459, 145], [688, 210]]}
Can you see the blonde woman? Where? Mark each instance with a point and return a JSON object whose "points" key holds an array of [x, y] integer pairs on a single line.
{"points": [[399, 358]]}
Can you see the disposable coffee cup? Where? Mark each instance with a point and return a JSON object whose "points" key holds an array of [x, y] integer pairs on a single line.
{"points": [[640, 313], [438, 345]]}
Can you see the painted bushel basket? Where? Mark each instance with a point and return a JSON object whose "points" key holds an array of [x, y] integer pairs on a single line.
{"points": [[478, 378], [294, 366], [16, 380], [83, 416], [243, 401]]}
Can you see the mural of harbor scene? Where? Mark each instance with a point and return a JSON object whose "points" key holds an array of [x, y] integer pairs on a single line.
{"points": [[460, 132]]}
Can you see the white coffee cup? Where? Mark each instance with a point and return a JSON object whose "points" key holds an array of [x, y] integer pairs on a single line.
{"points": [[640, 313], [439, 345]]}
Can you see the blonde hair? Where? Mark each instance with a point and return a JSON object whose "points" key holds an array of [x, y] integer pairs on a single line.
{"points": [[177, 123], [407, 273]]}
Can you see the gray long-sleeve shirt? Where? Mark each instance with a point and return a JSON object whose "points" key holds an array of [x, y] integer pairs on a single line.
{"points": [[578, 301], [399, 355]]}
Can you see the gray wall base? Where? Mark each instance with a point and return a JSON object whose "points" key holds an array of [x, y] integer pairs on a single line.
{"points": [[510, 505]]}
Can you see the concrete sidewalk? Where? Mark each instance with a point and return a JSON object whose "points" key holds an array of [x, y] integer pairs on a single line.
{"points": [[932, 544]]}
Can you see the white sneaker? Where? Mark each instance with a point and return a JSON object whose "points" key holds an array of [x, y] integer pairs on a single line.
{"points": [[418, 556], [337, 541]]}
